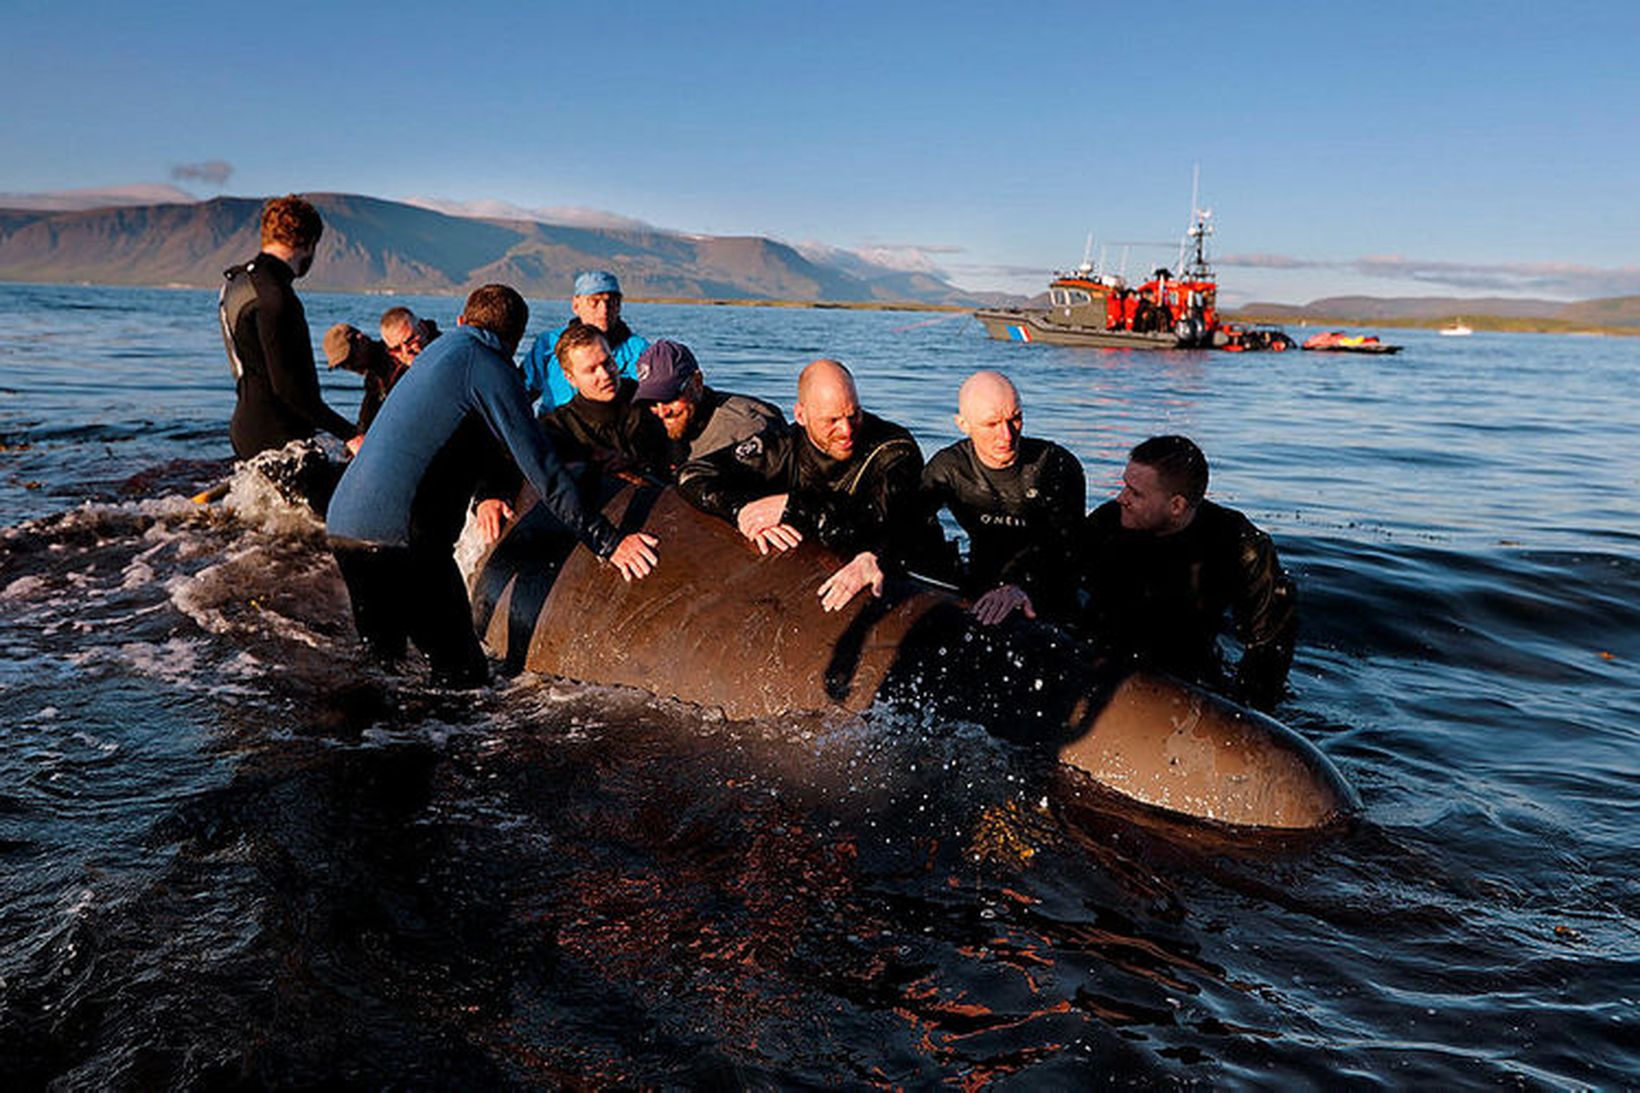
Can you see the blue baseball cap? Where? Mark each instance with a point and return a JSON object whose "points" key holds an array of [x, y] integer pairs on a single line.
{"points": [[593, 281]]}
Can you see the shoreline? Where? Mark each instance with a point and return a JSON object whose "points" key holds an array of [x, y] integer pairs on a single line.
{"points": [[1478, 323], [457, 294]]}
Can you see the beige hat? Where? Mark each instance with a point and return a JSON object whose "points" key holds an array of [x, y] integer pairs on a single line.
{"points": [[339, 343]]}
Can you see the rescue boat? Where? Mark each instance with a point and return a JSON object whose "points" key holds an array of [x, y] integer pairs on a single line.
{"points": [[1174, 309]]}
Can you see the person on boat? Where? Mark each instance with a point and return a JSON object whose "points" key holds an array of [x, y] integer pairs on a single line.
{"points": [[399, 507], [698, 420], [1020, 499], [841, 475], [1161, 567], [270, 348], [405, 335], [596, 303], [346, 346]]}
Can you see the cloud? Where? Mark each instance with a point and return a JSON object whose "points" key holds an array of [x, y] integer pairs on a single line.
{"points": [[567, 216], [1556, 279], [141, 193], [1272, 261], [213, 171]]}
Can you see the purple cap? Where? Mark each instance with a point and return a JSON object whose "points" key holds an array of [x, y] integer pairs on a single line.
{"points": [[663, 369], [594, 281]]}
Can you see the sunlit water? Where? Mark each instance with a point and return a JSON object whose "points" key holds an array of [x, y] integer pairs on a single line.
{"points": [[230, 853]]}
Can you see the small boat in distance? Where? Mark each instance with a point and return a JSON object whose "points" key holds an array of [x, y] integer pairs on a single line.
{"points": [[1456, 330], [1175, 309], [1337, 341]]}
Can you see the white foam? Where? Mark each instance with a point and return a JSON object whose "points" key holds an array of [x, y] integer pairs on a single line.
{"points": [[254, 501], [470, 547], [23, 588]]}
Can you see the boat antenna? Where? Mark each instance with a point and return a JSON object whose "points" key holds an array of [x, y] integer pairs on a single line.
{"points": [[1087, 256], [1194, 266], [1123, 270]]}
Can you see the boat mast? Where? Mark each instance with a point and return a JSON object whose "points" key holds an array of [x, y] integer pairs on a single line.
{"points": [[1193, 266]]}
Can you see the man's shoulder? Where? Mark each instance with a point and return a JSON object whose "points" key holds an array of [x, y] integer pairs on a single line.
{"points": [[749, 408], [879, 435], [545, 341], [1035, 449], [1224, 521], [951, 460], [270, 278], [462, 352], [1107, 518], [764, 448], [627, 351]]}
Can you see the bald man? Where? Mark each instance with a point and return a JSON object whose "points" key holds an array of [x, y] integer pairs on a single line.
{"points": [[1019, 499], [842, 476]]}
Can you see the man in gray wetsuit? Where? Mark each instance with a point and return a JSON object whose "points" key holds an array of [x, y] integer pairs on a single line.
{"points": [[698, 419]]}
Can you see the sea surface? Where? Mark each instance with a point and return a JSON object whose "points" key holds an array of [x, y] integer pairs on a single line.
{"points": [[234, 854]]}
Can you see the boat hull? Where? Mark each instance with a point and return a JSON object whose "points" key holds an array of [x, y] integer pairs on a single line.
{"points": [[1031, 325], [720, 625]]}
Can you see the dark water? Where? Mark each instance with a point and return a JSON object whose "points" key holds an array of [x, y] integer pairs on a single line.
{"points": [[231, 854]]}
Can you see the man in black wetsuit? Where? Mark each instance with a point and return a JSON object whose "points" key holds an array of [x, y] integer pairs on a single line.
{"points": [[266, 335], [600, 427], [839, 474], [1161, 566], [1020, 500], [601, 423]]}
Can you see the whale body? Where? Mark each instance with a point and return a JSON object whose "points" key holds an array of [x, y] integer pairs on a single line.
{"points": [[718, 624]]}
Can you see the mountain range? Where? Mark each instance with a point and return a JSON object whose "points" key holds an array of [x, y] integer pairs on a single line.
{"points": [[161, 235], [374, 245]]}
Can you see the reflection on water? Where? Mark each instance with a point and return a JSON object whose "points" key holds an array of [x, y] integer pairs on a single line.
{"points": [[232, 853]]}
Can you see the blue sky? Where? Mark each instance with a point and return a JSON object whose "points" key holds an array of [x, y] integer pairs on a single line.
{"points": [[1395, 149]]}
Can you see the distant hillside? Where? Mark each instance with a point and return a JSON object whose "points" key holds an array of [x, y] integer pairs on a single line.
{"points": [[374, 245], [1498, 313]]}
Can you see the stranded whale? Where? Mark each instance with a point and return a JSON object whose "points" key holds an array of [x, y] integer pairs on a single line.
{"points": [[720, 625]]}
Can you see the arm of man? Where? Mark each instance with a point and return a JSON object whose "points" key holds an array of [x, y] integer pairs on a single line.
{"points": [[287, 347], [725, 481], [496, 493], [499, 395], [1265, 609], [1044, 569], [884, 523], [935, 492]]}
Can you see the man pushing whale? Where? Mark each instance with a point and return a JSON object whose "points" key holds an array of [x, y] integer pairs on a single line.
{"points": [[839, 474], [399, 507]]}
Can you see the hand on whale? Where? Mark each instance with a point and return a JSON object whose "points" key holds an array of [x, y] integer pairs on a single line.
{"points": [[492, 515], [761, 522], [1000, 602], [635, 555], [862, 572]]}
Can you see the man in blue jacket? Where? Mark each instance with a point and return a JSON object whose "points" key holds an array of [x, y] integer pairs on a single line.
{"points": [[399, 507], [597, 302]]}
